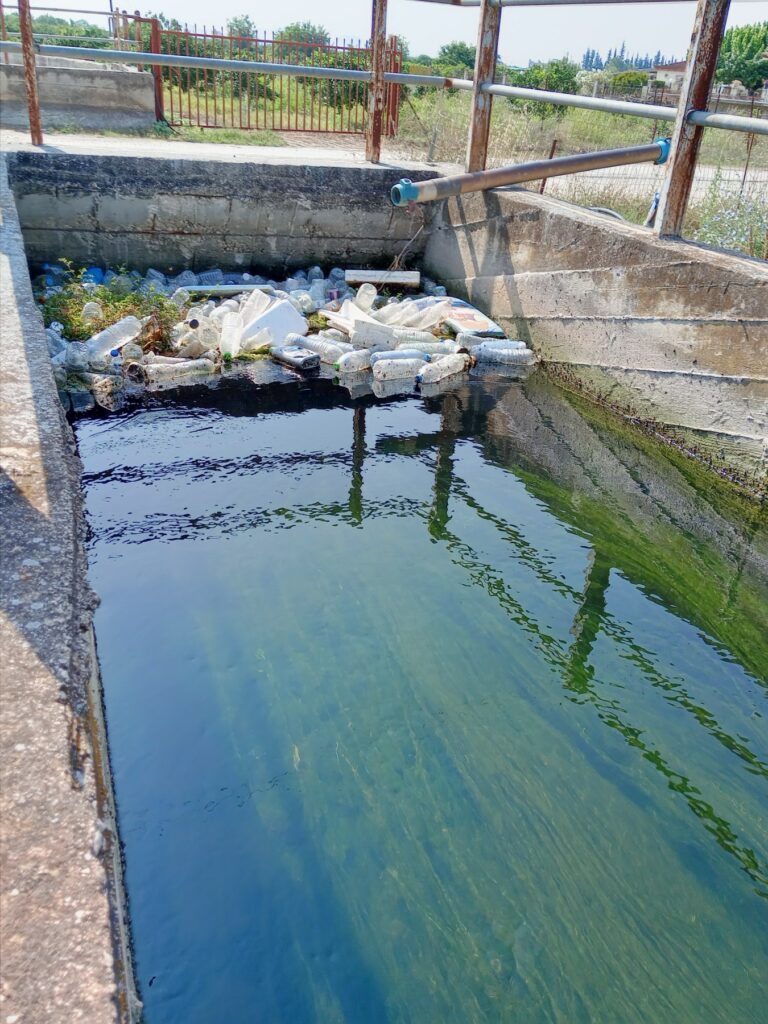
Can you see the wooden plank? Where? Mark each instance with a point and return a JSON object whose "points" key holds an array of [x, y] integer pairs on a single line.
{"points": [[485, 67], [406, 278], [708, 29], [376, 88], [30, 73]]}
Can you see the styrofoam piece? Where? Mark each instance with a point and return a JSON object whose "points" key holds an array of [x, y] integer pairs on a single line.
{"points": [[364, 335], [281, 318], [406, 278]]}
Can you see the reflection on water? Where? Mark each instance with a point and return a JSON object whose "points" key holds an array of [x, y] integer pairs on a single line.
{"points": [[440, 709]]}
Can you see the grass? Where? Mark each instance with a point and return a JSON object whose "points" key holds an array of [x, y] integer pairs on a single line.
{"points": [[66, 306]]}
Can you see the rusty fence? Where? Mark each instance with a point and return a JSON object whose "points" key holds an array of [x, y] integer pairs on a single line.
{"points": [[225, 98]]}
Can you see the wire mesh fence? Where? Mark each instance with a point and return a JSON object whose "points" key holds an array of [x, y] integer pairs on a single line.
{"points": [[729, 200]]}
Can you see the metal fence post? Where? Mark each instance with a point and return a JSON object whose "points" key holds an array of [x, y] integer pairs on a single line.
{"points": [[3, 32], [30, 73], [708, 29], [157, 72], [485, 66], [376, 87]]}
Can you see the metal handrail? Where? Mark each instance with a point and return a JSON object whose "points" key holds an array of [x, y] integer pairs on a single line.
{"points": [[704, 118]]}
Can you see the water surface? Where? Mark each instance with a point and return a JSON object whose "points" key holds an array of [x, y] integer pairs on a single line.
{"points": [[429, 710]]}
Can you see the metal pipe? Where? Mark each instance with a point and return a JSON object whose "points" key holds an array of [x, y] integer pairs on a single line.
{"points": [[705, 118], [407, 191]]}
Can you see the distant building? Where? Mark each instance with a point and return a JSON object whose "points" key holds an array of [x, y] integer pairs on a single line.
{"points": [[670, 74]]}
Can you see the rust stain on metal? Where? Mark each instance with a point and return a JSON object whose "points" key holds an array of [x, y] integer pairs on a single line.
{"points": [[485, 67], [708, 29], [30, 73], [377, 88]]}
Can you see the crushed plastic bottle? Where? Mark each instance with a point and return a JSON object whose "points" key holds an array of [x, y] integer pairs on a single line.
{"points": [[211, 277], [114, 336], [75, 356], [446, 366], [180, 297], [397, 369], [354, 362], [92, 311], [231, 331]]}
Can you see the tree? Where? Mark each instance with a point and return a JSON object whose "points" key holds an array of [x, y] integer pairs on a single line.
{"points": [[457, 53], [556, 76], [241, 25], [309, 38], [744, 56]]}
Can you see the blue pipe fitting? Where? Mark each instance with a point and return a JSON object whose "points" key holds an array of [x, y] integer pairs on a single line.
{"points": [[403, 192], [664, 145]]}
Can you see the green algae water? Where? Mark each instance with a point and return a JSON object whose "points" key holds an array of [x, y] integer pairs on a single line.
{"points": [[444, 709]]}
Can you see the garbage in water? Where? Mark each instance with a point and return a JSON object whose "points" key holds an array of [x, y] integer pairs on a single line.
{"points": [[192, 324]]}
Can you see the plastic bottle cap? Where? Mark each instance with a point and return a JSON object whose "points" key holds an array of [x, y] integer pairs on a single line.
{"points": [[115, 352]]}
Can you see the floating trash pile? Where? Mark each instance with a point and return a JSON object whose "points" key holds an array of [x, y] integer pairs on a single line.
{"points": [[340, 320]]}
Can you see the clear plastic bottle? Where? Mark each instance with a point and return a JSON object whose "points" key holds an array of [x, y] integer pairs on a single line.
{"points": [[92, 311], [365, 297], [210, 277], [180, 297], [354, 362], [446, 366], [112, 337], [436, 348], [507, 355], [410, 336], [399, 353], [314, 274], [397, 369], [117, 361], [231, 331], [328, 352]]}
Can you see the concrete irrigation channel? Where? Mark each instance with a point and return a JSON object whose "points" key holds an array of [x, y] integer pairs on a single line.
{"points": [[665, 332]]}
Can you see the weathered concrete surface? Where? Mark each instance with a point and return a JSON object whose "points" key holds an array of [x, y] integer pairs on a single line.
{"points": [[667, 330], [202, 213], [59, 917], [80, 96]]}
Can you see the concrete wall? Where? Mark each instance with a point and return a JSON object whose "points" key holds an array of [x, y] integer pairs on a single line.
{"points": [[214, 212], [667, 330], [84, 97], [62, 923]]}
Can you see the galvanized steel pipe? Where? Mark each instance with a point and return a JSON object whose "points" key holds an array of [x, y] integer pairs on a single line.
{"points": [[705, 118], [407, 191]]}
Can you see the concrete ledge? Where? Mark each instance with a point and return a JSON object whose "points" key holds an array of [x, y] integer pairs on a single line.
{"points": [[82, 96], [667, 330], [61, 929], [194, 212]]}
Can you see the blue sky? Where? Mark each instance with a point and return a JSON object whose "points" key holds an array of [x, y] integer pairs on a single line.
{"points": [[526, 34]]}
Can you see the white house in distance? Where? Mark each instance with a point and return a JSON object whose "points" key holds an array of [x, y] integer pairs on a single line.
{"points": [[670, 74]]}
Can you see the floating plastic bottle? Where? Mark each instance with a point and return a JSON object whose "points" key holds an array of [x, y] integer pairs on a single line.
{"points": [[192, 346], [155, 372], [397, 369], [231, 331], [503, 343], [410, 336], [337, 337], [436, 348], [261, 342], [180, 297], [210, 277], [255, 304], [327, 350], [446, 366], [508, 354], [354, 362], [365, 297], [113, 337], [296, 356], [399, 353]]}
